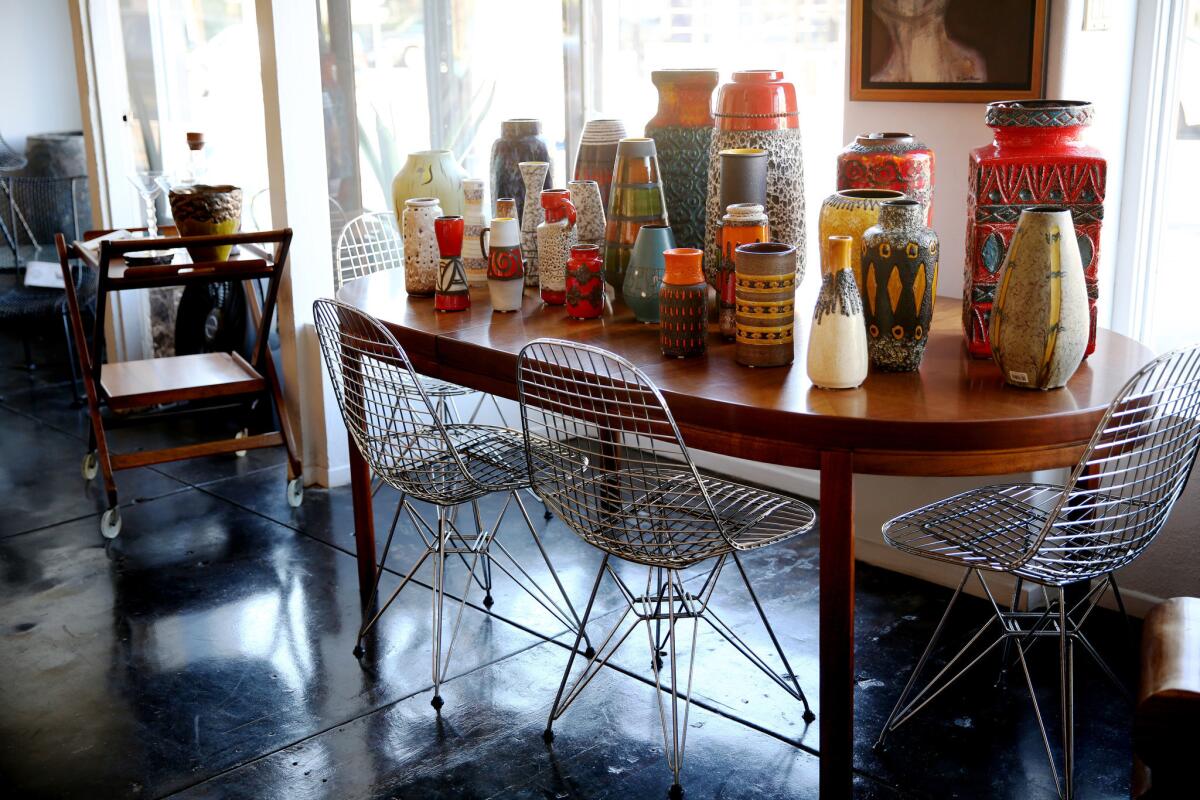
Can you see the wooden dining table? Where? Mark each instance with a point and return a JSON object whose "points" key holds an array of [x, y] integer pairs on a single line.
{"points": [[955, 417]]}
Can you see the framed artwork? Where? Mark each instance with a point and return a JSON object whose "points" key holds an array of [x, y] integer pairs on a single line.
{"points": [[948, 51]]}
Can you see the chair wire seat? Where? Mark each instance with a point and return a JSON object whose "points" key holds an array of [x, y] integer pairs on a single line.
{"points": [[1104, 516], [490, 459]]}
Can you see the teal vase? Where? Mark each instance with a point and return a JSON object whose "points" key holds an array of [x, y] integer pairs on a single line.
{"points": [[643, 278]]}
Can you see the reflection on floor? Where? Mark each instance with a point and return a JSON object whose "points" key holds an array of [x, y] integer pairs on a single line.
{"points": [[207, 653]]}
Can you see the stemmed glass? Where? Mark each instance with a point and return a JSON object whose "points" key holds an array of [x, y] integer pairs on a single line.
{"points": [[149, 185]]}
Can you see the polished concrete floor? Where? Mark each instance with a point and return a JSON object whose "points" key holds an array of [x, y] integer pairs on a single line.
{"points": [[207, 653]]}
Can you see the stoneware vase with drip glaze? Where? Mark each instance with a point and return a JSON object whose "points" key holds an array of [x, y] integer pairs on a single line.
{"points": [[636, 200], [597, 153], [766, 304], [743, 223], [682, 130], [837, 343], [891, 160], [589, 211], [759, 110], [202, 210], [556, 237], [645, 274], [430, 173], [520, 140], [849, 212], [534, 174], [421, 257], [1039, 324], [501, 246], [475, 220], [1038, 157], [452, 293], [585, 282], [899, 258], [683, 304]]}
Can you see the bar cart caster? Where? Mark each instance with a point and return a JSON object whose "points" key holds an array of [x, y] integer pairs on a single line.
{"points": [[110, 523], [295, 491], [90, 466]]}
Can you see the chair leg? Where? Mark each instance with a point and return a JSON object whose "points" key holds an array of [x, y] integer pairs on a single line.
{"points": [[1066, 655], [1013, 607], [912, 679], [675, 741], [439, 574], [555, 710]]}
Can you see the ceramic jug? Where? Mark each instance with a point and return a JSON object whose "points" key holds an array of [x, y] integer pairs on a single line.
{"points": [[506, 273]]}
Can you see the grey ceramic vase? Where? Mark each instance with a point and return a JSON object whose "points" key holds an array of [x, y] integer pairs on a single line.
{"points": [[1040, 321], [644, 276], [900, 264], [520, 140], [743, 176]]}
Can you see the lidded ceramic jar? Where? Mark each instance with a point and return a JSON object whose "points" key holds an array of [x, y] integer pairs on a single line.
{"points": [[889, 160], [683, 304], [899, 258]]}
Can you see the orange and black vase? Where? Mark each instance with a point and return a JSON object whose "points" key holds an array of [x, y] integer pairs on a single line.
{"points": [[683, 304], [451, 293], [585, 282], [891, 160]]}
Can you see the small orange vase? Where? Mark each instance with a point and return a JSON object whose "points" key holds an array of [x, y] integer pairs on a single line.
{"points": [[683, 304]]}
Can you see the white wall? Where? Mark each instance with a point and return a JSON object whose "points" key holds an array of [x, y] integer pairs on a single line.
{"points": [[39, 92]]}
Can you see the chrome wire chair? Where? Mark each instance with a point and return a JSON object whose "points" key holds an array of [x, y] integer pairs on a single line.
{"points": [[606, 457], [409, 444], [1115, 502]]}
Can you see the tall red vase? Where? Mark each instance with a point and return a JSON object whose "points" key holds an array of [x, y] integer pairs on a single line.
{"points": [[1038, 157], [452, 293]]}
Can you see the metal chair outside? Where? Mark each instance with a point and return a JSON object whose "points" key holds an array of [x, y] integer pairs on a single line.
{"points": [[1114, 504], [606, 457], [409, 443]]}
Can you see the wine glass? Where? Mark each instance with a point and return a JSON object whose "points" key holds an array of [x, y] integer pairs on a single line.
{"points": [[149, 185]]}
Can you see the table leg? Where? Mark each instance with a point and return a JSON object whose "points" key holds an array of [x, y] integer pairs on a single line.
{"points": [[837, 625], [364, 523]]}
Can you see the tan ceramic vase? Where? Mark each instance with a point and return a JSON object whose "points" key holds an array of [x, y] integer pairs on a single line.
{"points": [[1040, 322], [766, 302], [848, 213], [203, 210]]}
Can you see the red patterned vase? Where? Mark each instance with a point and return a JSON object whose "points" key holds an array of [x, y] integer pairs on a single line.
{"points": [[889, 161], [683, 304], [451, 293], [556, 236], [1037, 157], [585, 282]]}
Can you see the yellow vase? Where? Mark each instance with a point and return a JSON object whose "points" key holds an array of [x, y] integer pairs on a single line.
{"points": [[202, 210], [849, 213]]}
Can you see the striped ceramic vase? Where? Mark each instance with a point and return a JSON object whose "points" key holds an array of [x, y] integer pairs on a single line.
{"points": [[597, 152], [636, 200], [766, 304]]}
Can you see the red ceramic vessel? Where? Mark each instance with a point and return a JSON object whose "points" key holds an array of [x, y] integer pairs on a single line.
{"points": [[1038, 157], [890, 160], [683, 304], [757, 100], [452, 293], [585, 282], [558, 207]]}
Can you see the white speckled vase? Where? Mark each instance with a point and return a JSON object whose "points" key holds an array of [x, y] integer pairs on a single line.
{"points": [[473, 259], [1040, 321], [421, 255], [533, 173], [589, 211]]}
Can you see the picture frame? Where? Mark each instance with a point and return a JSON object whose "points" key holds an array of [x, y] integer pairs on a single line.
{"points": [[977, 58]]}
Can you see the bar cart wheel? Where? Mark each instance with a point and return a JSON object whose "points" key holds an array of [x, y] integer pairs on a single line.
{"points": [[295, 492], [90, 466], [110, 523], [242, 434]]}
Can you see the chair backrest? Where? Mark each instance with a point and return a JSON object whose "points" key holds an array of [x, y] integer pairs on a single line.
{"points": [[1134, 469], [369, 243], [384, 405], [606, 456]]}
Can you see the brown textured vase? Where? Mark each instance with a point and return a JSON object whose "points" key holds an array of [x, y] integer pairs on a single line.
{"points": [[766, 304], [203, 210]]}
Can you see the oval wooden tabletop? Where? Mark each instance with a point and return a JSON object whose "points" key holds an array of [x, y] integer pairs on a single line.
{"points": [[956, 416]]}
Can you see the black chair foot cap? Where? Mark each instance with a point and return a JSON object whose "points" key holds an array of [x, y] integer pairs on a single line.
{"points": [[437, 702], [358, 651], [590, 652], [809, 716], [547, 515], [675, 792], [547, 736], [488, 602]]}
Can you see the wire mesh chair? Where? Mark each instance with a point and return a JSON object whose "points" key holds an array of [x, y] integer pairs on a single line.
{"points": [[1115, 502], [408, 442], [606, 457]]}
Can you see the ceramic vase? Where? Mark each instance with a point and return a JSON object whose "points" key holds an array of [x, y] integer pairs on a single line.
{"points": [[899, 259], [743, 176], [452, 293], [759, 110], [589, 211], [683, 304], [473, 261], [556, 237], [682, 130], [520, 140], [535, 175], [585, 282], [501, 245], [636, 200], [837, 343], [645, 273], [421, 258], [766, 304], [202, 210], [890, 160], [849, 212], [743, 223], [430, 173], [597, 153], [1037, 157], [1040, 322], [507, 207]]}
